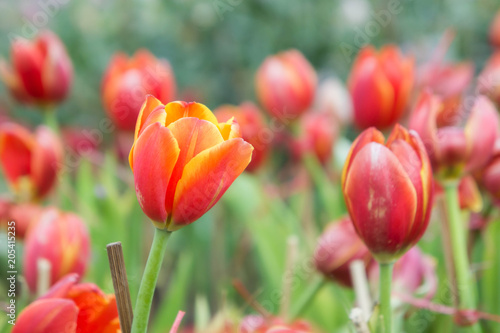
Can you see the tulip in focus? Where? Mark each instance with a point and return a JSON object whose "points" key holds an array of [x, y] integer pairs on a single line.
{"points": [[30, 162], [253, 129], [337, 248], [456, 150], [318, 132], [489, 79], [183, 161], [70, 308], [127, 81], [388, 191], [495, 30], [41, 71], [380, 84], [60, 238], [285, 85]]}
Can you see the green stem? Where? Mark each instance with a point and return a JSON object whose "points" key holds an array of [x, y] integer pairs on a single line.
{"points": [[385, 280], [50, 119], [459, 246], [306, 298], [148, 283]]}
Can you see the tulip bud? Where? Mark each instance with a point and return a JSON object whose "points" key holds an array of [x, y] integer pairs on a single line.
{"points": [[495, 30], [253, 129], [388, 191], [183, 161], [455, 150], [63, 240], [41, 70], [127, 81], [30, 162], [380, 85], [318, 132], [337, 248], [333, 98], [285, 85], [70, 307], [489, 79]]}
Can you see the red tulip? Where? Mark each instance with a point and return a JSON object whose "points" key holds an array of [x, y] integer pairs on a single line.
{"points": [[489, 79], [30, 162], [388, 191], [80, 141], [318, 131], [183, 161], [285, 85], [490, 174], [41, 71], [253, 129], [127, 81], [63, 240], [70, 308], [456, 150], [495, 30], [380, 84], [337, 248]]}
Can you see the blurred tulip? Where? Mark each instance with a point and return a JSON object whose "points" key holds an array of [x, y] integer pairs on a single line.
{"points": [[259, 324], [333, 98], [183, 161], [60, 238], [127, 81], [318, 132], [495, 30], [455, 150], [490, 174], [285, 84], [23, 214], [380, 84], [489, 79], [468, 194], [253, 129], [79, 141], [30, 162], [413, 273], [388, 191], [41, 70], [123, 143], [337, 248], [72, 308]]}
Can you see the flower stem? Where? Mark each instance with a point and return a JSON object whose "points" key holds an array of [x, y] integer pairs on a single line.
{"points": [[385, 323], [50, 119], [148, 283], [306, 298], [460, 257]]}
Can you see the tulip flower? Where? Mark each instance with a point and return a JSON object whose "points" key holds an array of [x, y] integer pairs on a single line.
{"points": [[490, 174], [455, 150], [337, 248], [489, 79], [127, 81], [71, 308], [380, 84], [388, 191], [60, 238], [333, 98], [24, 215], [183, 161], [253, 129], [318, 132], [30, 162], [495, 30], [285, 84], [259, 324], [41, 72]]}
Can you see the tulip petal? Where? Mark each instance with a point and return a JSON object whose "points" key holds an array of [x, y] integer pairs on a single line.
{"points": [[149, 105], [16, 146], [177, 110], [481, 132], [47, 316], [385, 200], [193, 136], [46, 160], [155, 154], [28, 62], [206, 178], [230, 129]]}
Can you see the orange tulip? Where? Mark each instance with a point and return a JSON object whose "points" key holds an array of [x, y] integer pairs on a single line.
{"points": [[388, 191], [380, 85], [253, 129], [63, 240], [183, 161], [71, 308], [30, 162], [41, 71], [285, 85], [127, 81]]}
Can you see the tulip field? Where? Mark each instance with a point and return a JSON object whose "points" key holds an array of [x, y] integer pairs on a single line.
{"points": [[230, 166]]}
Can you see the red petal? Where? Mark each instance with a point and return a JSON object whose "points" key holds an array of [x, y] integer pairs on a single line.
{"points": [[47, 316], [16, 145]]}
